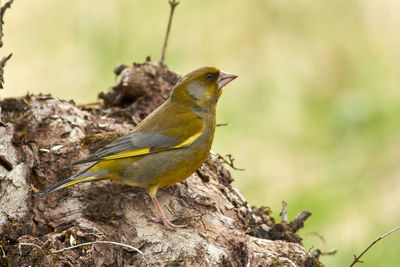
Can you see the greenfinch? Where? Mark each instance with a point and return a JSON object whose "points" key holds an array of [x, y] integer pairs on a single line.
{"points": [[167, 146]]}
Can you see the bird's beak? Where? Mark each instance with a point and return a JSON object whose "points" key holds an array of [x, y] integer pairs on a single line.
{"points": [[225, 78]]}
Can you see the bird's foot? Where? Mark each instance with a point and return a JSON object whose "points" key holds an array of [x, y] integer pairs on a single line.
{"points": [[167, 223]]}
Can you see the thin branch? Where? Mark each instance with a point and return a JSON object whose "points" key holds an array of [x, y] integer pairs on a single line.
{"points": [[222, 124], [4, 253], [298, 222], [173, 4], [99, 242], [316, 253], [3, 62], [229, 160], [89, 104], [4, 59], [357, 259], [283, 213], [317, 235], [2, 11], [36, 246]]}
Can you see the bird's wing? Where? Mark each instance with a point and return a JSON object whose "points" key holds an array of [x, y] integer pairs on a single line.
{"points": [[170, 134]]}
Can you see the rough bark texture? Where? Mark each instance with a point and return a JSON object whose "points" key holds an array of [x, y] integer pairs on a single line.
{"points": [[40, 136]]}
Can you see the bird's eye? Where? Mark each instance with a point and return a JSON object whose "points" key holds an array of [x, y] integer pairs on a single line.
{"points": [[209, 76]]}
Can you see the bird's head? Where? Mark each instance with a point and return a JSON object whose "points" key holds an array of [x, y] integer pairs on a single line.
{"points": [[201, 88]]}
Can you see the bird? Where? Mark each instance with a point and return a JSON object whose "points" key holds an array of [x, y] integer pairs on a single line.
{"points": [[167, 146]]}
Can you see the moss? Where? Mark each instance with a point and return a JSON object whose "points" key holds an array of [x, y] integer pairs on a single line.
{"points": [[312, 262], [16, 105], [174, 263], [277, 263], [21, 122]]}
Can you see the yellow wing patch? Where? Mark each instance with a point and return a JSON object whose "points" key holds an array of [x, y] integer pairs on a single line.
{"points": [[78, 181], [189, 140], [169, 127], [127, 154], [144, 151]]}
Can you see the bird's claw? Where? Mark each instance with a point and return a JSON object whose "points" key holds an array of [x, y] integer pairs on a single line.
{"points": [[167, 223]]}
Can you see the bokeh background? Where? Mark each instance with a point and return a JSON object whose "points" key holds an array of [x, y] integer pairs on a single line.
{"points": [[314, 117]]}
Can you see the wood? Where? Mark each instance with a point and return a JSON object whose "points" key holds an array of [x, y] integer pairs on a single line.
{"points": [[40, 136]]}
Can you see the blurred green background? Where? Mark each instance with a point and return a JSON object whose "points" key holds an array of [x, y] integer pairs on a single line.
{"points": [[313, 118]]}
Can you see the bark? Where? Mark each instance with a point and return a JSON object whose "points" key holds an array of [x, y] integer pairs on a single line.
{"points": [[40, 136]]}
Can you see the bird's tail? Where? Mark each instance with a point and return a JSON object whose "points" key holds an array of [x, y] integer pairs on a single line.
{"points": [[83, 176]]}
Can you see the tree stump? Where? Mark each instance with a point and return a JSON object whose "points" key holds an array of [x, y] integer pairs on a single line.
{"points": [[40, 136]]}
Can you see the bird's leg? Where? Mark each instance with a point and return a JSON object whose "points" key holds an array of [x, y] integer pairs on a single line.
{"points": [[162, 216]]}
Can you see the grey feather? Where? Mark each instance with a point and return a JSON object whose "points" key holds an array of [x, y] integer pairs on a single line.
{"points": [[132, 141], [98, 175]]}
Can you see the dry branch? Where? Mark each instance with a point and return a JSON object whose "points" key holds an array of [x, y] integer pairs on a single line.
{"points": [[284, 215], [299, 221], [3, 62], [173, 4], [2, 12], [358, 258], [4, 59]]}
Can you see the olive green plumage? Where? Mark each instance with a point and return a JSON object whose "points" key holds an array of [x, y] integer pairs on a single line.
{"points": [[167, 146]]}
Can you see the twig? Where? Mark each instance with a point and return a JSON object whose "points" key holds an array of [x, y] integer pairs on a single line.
{"points": [[98, 242], [4, 59], [357, 259], [316, 253], [298, 222], [36, 246], [4, 253], [2, 11], [321, 237], [173, 4], [3, 62], [283, 213], [229, 161], [89, 104], [222, 124]]}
